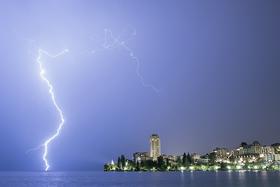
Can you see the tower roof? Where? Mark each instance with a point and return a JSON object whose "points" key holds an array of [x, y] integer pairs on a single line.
{"points": [[155, 135]]}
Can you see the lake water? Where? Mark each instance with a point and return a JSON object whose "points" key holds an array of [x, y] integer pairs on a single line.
{"points": [[150, 179]]}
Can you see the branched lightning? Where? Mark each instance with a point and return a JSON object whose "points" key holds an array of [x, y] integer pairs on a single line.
{"points": [[53, 98], [111, 41]]}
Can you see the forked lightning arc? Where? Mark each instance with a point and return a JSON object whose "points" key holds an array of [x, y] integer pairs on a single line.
{"points": [[111, 41], [45, 145], [106, 45]]}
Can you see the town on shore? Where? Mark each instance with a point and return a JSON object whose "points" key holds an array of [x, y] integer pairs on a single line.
{"points": [[246, 157]]}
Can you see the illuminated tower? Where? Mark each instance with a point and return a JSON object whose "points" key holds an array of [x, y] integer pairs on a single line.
{"points": [[154, 146]]}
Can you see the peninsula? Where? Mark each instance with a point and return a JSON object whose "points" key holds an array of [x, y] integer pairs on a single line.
{"points": [[246, 157]]}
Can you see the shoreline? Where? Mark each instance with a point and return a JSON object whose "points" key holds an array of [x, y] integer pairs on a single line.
{"points": [[186, 171]]}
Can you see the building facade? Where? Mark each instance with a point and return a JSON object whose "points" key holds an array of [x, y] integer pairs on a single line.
{"points": [[255, 152], [221, 155], [141, 157], [155, 151]]}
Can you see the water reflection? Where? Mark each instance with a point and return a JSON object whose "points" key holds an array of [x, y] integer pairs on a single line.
{"points": [[242, 178], [150, 179]]}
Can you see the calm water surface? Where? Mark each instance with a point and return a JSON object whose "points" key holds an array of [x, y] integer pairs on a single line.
{"points": [[192, 179]]}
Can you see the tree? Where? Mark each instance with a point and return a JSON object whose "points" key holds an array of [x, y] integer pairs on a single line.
{"points": [[189, 159], [160, 163], [212, 158], [179, 161], [137, 166], [119, 163], [148, 164], [168, 163], [243, 144], [224, 166], [184, 160], [106, 167], [123, 161], [256, 143]]}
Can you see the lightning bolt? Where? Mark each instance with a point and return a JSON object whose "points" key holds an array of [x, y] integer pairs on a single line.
{"points": [[111, 42], [116, 41], [45, 145]]}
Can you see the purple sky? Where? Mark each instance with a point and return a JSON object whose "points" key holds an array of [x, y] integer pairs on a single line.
{"points": [[215, 63]]}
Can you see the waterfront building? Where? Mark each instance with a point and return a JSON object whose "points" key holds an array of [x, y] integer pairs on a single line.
{"points": [[267, 150], [247, 156], [141, 157], [221, 155], [221, 152], [203, 159], [155, 151], [268, 154], [276, 157], [255, 152], [171, 159], [276, 147], [253, 149], [195, 157]]}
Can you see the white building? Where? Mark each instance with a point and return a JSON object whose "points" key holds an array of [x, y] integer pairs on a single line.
{"points": [[155, 151], [141, 156], [277, 157]]}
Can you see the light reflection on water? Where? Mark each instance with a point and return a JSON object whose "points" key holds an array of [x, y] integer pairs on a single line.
{"points": [[127, 179]]}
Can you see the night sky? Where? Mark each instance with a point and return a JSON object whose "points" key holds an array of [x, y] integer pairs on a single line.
{"points": [[216, 65]]}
